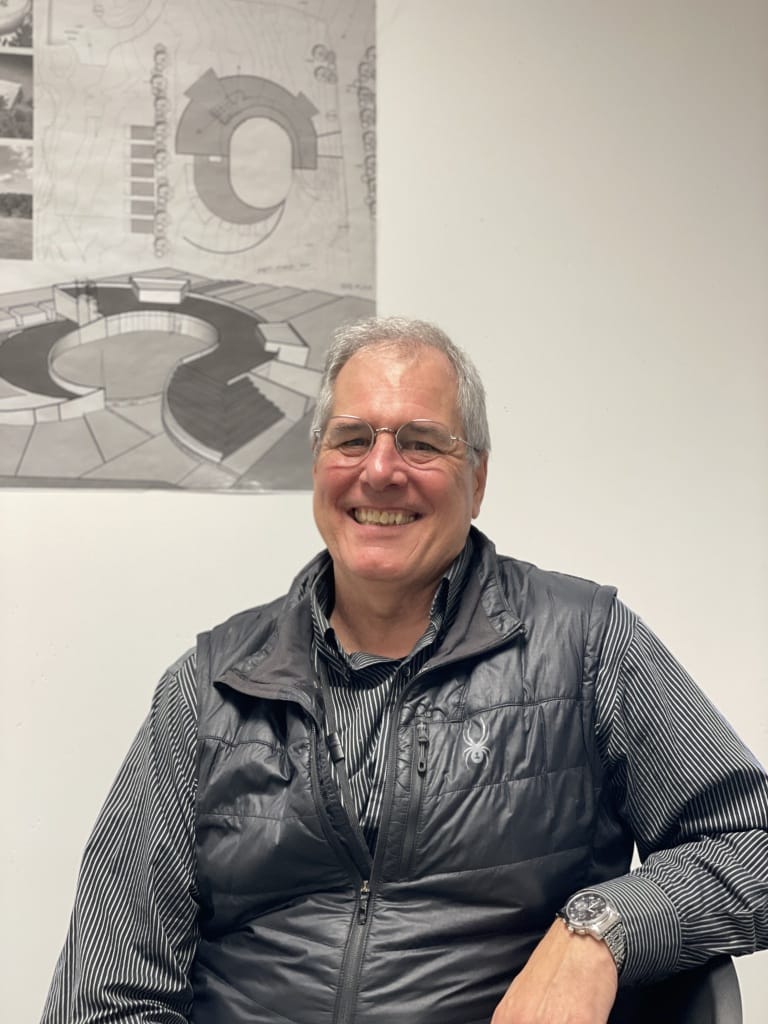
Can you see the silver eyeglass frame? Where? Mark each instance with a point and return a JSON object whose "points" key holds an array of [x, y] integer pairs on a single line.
{"points": [[318, 432]]}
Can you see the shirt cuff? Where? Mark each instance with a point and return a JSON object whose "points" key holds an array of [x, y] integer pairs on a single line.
{"points": [[652, 931]]}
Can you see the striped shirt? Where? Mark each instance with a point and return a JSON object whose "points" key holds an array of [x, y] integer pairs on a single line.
{"points": [[692, 795], [363, 690]]}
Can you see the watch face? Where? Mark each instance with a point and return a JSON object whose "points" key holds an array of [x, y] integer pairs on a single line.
{"points": [[586, 907]]}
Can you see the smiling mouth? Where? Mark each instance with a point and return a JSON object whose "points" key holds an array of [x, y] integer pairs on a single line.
{"points": [[381, 517]]}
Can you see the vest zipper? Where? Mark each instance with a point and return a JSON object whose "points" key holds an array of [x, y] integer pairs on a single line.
{"points": [[418, 782], [349, 982], [362, 906], [422, 736], [359, 862], [356, 857], [353, 955]]}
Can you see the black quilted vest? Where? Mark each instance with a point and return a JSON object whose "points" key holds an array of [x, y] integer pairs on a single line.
{"points": [[493, 813]]}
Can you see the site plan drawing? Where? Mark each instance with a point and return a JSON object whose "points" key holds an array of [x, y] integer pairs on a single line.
{"points": [[192, 216]]}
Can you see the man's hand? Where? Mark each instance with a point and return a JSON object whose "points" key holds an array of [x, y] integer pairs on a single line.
{"points": [[569, 979]]}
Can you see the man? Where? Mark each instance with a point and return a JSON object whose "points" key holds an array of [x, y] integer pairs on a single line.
{"points": [[369, 800]]}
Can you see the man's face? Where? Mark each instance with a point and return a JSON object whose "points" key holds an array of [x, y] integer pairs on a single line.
{"points": [[436, 501]]}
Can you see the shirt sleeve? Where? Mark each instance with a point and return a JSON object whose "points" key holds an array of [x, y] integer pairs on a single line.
{"points": [[133, 931], [696, 801]]}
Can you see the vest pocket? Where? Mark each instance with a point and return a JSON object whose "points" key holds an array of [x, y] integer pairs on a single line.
{"points": [[419, 769]]}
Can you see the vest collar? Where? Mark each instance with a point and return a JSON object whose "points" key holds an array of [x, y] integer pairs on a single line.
{"points": [[280, 666]]}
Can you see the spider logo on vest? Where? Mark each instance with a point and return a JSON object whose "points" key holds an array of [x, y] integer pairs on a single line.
{"points": [[476, 750]]}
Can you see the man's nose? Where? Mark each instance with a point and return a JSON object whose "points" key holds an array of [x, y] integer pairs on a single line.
{"points": [[384, 465]]}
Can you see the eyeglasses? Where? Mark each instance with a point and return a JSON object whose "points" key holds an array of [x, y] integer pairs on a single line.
{"points": [[418, 441]]}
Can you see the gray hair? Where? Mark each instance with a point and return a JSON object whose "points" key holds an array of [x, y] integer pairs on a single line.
{"points": [[408, 336]]}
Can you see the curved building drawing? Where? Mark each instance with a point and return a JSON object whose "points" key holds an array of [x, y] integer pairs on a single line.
{"points": [[217, 108], [163, 379]]}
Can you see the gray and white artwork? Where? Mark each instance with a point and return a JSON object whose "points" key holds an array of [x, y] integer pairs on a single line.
{"points": [[185, 220]]}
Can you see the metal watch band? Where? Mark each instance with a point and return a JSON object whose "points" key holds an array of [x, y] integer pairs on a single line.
{"points": [[615, 940]]}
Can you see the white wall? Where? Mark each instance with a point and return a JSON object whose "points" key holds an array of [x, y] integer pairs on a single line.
{"points": [[577, 191]]}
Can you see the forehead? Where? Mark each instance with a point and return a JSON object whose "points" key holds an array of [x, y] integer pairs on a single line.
{"points": [[412, 382]]}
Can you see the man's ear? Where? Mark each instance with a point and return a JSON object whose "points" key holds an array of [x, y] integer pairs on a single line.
{"points": [[480, 476]]}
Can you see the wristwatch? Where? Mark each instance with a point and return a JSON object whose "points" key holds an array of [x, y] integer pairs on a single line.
{"points": [[589, 912]]}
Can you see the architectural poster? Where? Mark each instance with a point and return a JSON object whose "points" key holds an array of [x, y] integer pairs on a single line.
{"points": [[187, 210]]}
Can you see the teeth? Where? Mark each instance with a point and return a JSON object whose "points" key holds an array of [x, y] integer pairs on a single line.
{"points": [[381, 518]]}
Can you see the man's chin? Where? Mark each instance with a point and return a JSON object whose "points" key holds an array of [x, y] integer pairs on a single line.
{"points": [[371, 566], [378, 571]]}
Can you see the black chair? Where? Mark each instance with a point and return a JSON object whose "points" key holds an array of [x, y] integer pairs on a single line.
{"points": [[705, 995]]}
